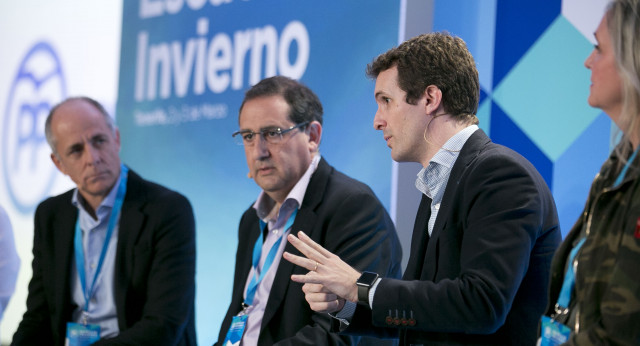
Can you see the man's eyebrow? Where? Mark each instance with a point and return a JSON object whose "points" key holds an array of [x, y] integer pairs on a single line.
{"points": [[74, 146], [270, 127], [381, 92], [99, 136]]}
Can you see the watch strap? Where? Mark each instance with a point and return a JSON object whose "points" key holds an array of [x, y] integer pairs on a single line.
{"points": [[363, 294], [364, 284]]}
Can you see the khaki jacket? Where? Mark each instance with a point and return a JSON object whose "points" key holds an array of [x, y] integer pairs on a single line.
{"points": [[606, 301]]}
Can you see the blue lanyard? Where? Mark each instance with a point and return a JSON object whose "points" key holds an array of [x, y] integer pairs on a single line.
{"points": [[79, 249], [569, 278], [257, 253], [625, 168]]}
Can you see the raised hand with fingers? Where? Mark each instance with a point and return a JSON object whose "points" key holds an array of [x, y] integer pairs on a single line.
{"points": [[326, 269]]}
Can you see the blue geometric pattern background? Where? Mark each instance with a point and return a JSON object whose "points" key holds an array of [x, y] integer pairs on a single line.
{"points": [[534, 87]]}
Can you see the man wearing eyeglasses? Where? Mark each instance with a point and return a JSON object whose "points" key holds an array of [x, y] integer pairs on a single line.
{"points": [[281, 128]]}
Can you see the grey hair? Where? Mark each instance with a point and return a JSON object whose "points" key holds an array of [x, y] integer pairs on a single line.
{"points": [[47, 125]]}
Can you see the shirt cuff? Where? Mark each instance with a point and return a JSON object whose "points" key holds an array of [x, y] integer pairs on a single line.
{"points": [[372, 291], [348, 310], [345, 315]]}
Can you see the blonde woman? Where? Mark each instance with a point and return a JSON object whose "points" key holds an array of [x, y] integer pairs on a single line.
{"points": [[595, 286]]}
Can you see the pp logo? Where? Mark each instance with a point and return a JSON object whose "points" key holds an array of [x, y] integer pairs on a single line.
{"points": [[38, 85]]}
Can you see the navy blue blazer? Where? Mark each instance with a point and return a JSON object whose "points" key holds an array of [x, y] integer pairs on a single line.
{"points": [[345, 217], [154, 270], [482, 276]]}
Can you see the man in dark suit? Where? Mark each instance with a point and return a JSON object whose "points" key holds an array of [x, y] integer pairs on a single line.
{"points": [[486, 228], [280, 127], [114, 258]]}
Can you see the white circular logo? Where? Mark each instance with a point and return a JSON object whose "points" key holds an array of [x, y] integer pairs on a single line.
{"points": [[39, 84]]}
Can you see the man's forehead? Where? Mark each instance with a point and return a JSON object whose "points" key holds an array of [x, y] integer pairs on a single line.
{"points": [[80, 137], [265, 112]]}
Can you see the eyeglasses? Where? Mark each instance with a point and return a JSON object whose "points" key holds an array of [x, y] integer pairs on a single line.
{"points": [[273, 135]]}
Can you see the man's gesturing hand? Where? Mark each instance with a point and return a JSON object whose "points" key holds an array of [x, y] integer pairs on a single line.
{"points": [[326, 269]]}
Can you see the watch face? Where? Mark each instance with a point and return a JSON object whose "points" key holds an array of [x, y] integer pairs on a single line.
{"points": [[367, 279]]}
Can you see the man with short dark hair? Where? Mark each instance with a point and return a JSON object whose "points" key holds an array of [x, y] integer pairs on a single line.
{"points": [[485, 231], [281, 127]]}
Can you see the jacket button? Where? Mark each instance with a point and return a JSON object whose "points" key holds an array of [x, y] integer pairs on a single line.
{"points": [[389, 320]]}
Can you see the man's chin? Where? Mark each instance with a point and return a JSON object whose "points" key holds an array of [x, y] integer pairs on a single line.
{"points": [[98, 187], [268, 184]]}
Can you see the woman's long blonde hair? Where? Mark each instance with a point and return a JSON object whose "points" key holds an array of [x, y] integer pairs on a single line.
{"points": [[623, 19]]}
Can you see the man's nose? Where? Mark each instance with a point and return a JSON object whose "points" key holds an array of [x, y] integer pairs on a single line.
{"points": [[378, 122], [260, 147], [92, 155]]}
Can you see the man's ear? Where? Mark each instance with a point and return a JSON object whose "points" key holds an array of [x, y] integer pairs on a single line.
{"points": [[56, 161], [433, 99], [117, 137], [315, 135]]}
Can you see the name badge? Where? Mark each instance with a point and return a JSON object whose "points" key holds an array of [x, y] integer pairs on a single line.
{"points": [[553, 332], [82, 334], [234, 335]]}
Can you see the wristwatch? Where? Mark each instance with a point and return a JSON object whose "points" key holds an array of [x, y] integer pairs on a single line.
{"points": [[364, 283]]}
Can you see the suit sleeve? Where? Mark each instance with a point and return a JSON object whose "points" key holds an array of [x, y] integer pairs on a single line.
{"points": [[35, 327], [168, 276], [494, 219], [362, 234]]}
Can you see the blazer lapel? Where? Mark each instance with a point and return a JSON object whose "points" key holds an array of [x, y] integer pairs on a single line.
{"points": [[248, 237], [305, 221], [468, 153], [419, 240], [282, 281], [64, 235], [130, 225]]}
